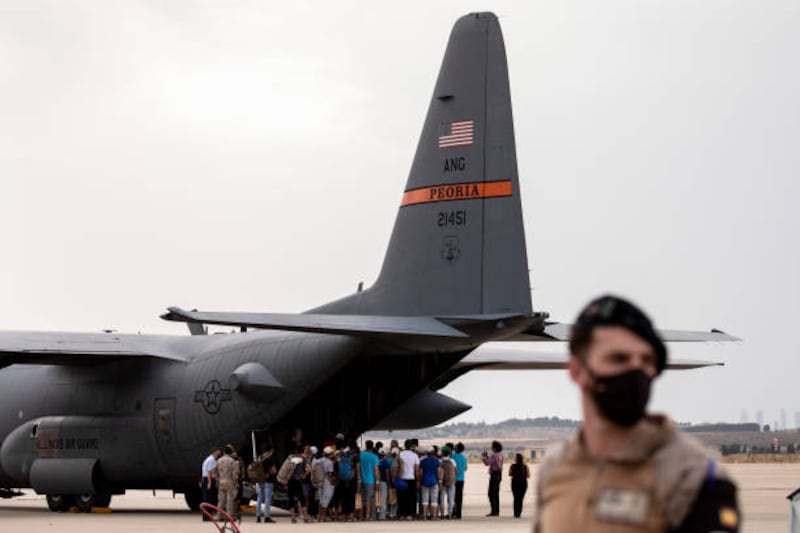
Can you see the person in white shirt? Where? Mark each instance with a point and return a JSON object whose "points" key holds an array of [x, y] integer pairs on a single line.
{"points": [[410, 476], [207, 487], [326, 492]]}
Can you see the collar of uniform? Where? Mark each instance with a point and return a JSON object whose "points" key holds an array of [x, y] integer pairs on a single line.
{"points": [[655, 431]]}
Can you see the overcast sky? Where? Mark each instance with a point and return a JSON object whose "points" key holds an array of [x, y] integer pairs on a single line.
{"points": [[251, 155]]}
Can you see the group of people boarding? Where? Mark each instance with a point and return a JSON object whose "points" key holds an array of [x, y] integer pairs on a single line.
{"points": [[342, 482]]}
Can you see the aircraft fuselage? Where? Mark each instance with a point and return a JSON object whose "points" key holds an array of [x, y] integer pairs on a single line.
{"points": [[150, 422]]}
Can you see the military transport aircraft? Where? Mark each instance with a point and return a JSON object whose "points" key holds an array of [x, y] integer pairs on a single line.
{"points": [[89, 415]]}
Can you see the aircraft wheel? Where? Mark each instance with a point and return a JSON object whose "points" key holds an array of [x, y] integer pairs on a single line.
{"points": [[59, 503], [193, 497], [85, 502]]}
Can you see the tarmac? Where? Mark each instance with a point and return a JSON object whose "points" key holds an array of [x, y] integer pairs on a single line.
{"points": [[762, 495]]}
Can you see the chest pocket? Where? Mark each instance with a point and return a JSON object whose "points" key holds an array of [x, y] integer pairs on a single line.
{"points": [[623, 494], [623, 506]]}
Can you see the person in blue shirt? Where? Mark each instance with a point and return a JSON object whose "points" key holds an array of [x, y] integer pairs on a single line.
{"points": [[461, 465], [431, 468], [385, 484], [206, 485], [367, 476]]}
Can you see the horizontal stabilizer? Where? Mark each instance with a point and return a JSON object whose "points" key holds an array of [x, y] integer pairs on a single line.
{"points": [[688, 364], [560, 332], [320, 323], [488, 357], [491, 357], [57, 348]]}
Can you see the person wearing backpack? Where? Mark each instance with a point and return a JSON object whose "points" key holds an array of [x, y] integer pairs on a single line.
{"points": [[318, 472], [449, 473], [262, 472], [309, 492], [347, 483], [385, 485], [300, 469]]}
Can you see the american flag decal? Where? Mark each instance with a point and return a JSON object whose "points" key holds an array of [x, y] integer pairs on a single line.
{"points": [[458, 133]]}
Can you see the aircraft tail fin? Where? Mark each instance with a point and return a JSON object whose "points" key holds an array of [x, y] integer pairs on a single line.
{"points": [[458, 244]]}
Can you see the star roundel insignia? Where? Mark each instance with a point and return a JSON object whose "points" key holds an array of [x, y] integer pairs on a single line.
{"points": [[212, 396]]}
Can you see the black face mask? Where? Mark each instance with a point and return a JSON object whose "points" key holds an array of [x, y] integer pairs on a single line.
{"points": [[621, 398]]}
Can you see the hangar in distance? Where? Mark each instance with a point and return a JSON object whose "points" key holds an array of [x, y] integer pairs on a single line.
{"points": [[89, 415]]}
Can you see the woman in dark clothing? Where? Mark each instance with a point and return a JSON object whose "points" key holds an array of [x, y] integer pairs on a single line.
{"points": [[519, 474], [495, 464]]}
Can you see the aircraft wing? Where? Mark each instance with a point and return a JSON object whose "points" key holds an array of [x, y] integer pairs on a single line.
{"points": [[321, 323], [56, 348], [557, 331]]}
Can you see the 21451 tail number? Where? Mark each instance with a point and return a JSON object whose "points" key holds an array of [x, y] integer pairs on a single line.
{"points": [[451, 218]]}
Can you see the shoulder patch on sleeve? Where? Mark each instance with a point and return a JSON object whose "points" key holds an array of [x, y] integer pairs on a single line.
{"points": [[729, 518], [715, 509]]}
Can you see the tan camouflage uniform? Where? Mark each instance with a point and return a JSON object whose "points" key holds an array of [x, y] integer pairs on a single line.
{"points": [[664, 481], [226, 472]]}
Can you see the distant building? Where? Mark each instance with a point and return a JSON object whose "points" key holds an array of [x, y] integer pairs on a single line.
{"points": [[760, 418], [709, 428], [797, 419], [743, 419], [533, 454], [783, 418]]}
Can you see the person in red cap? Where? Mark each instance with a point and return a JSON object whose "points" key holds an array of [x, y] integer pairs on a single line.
{"points": [[626, 470]]}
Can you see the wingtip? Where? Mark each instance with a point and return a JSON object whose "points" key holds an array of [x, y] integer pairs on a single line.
{"points": [[174, 314], [727, 336]]}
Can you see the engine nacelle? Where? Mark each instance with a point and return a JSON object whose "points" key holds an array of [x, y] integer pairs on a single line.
{"points": [[77, 454], [425, 409], [66, 476]]}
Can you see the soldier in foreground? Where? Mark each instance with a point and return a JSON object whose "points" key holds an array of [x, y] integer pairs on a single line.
{"points": [[626, 470]]}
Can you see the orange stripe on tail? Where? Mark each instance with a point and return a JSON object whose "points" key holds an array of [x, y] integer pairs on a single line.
{"points": [[457, 191]]}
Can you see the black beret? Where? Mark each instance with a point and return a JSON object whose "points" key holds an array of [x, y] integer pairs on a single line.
{"points": [[614, 311]]}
